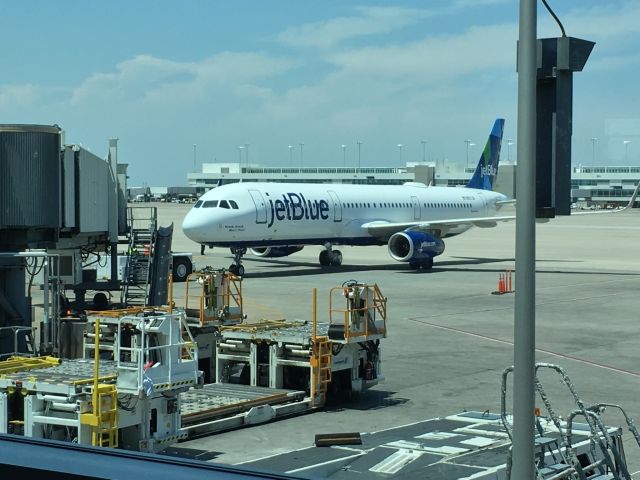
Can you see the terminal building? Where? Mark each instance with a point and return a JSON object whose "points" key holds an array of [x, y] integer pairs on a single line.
{"points": [[590, 185]]}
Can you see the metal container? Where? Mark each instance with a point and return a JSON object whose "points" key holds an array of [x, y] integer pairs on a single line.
{"points": [[30, 170]]}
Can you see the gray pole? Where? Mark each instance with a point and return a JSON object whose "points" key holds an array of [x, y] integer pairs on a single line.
{"points": [[359, 145], [246, 146], [524, 315], [194, 157], [301, 155]]}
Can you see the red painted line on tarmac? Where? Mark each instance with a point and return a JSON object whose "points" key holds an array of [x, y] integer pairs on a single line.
{"points": [[540, 350]]}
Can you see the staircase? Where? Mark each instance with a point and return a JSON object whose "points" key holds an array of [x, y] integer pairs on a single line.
{"points": [[142, 228]]}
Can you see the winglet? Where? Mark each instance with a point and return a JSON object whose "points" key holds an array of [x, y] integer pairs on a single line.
{"points": [[487, 169]]}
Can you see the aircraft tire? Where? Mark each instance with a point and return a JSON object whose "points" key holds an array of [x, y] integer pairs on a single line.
{"points": [[240, 270], [336, 258], [414, 265], [427, 264], [233, 269], [324, 258]]}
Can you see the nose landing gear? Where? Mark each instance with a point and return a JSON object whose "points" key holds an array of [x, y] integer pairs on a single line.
{"points": [[236, 267]]}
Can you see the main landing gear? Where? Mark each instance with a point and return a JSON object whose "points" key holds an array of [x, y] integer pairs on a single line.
{"points": [[236, 267], [329, 257], [424, 264]]}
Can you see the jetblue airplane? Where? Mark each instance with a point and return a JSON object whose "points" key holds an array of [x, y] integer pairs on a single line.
{"points": [[278, 219]]}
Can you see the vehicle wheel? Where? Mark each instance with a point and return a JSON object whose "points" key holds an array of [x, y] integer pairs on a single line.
{"points": [[233, 269], [181, 269], [427, 264], [336, 258], [324, 258], [240, 270], [414, 265]]}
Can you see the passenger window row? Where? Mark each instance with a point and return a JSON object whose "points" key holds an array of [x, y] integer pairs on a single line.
{"points": [[407, 205]]}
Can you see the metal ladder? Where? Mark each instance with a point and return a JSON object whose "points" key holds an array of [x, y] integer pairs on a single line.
{"points": [[140, 256], [104, 417], [321, 363], [569, 466]]}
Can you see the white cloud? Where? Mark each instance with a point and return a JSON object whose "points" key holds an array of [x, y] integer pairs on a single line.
{"points": [[371, 21], [18, 95]]}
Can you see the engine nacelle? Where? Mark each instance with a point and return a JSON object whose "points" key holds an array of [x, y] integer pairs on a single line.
{"points": [[412, 245], [274, 252]]}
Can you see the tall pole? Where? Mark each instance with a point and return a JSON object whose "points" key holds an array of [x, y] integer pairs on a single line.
{"points": [[290, 155], [359, 145], [626, 151], [344, 155], [469, 144], [240, 147], [424, 150], [594, 140], [194, 157], [400, 151], [509, 143], [524, 314], [301, 154], [246, 146]]}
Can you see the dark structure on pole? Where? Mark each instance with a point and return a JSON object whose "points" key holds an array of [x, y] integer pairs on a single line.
{"points": [[558, 58]]}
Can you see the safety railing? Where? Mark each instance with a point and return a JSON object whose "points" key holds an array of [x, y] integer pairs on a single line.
{"points": [[27, 334], [365, 314], [214, 296], [165, 353]]}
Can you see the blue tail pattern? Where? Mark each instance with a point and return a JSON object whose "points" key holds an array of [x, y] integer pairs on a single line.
{"points": [[487, 169]]}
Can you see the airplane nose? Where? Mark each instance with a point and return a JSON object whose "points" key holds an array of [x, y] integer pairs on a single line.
{"points": [[194, 227]]}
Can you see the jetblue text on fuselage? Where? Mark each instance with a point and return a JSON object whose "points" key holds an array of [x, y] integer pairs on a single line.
{"points": [[293, 206]]}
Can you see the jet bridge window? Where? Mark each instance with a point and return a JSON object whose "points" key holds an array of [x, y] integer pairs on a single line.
{"points": [[210, 204], [198, 203], [224, 204], [233, 204]]}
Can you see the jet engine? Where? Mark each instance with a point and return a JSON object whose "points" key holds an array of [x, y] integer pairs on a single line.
{"points": [[274, 252], [411, 246]]}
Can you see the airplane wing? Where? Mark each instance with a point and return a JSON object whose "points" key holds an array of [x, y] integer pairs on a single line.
{"points": [[438, 227], [505, 203]]}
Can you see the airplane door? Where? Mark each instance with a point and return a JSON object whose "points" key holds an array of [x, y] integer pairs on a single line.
{"points": [[337, 206], [261, 206], [416, 208]]}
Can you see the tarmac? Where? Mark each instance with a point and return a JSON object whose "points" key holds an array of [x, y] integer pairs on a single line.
{"points": [[449, 337]]}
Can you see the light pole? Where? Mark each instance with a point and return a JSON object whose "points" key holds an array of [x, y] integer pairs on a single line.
{"points": [[344, 155], [194, 157], [509, 143], [594, 140], [400, 151], [246, 146], [240, 148], [469, 144], [359, 145], [424, 150], [290, 155], [301, 154], [626, 150]]}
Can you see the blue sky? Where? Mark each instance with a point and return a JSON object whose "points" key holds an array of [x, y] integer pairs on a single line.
{"points": [[165, 75]]}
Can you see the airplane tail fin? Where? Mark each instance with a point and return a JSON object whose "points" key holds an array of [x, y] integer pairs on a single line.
{"points": [[487, 169]]}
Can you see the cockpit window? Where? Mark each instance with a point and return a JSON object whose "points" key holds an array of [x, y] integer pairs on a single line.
{"points": [[210, 204], [233, 204], [198, 203], [224, 204]]}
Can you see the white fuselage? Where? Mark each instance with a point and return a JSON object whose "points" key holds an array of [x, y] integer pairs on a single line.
{"points": [[269, 214]]}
